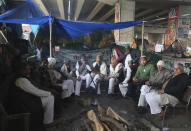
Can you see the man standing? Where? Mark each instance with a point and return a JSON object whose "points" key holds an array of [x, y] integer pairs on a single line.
{"points": [[171, 92], [128, 57], [155, 82]]}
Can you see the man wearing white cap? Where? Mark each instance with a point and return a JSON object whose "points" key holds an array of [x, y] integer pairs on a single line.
{"points": [[171, 92], [58, 80], [156, 80]]}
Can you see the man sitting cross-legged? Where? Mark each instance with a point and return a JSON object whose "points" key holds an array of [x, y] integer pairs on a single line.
{"points": [[171, 92], [155, 82]]}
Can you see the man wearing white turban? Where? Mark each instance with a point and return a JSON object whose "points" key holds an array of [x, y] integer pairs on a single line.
{"points": [[155, 81], [58, 80]]}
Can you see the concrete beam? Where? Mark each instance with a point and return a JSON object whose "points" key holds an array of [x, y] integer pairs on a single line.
{"points": [[80, 4], [107, 15], [155, 15], [144, 13], [60, 5], [41, 6], [152, 30], [109, 2], [96, 9]]}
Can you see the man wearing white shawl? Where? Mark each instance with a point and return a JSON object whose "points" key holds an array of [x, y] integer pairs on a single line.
{"points": [[57, 80], [82, 73]]}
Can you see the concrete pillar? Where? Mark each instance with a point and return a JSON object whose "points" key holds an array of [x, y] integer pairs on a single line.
{"points": [[127, 14], [184, 16]]}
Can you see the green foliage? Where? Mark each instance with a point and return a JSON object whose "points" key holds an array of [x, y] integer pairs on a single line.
{"points": [[152, 57]]}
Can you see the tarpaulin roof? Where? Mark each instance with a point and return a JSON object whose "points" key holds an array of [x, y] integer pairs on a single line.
{"points": [[28, 13]]}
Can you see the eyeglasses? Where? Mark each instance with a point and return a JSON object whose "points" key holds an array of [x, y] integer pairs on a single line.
{"points": [[176, 68]]}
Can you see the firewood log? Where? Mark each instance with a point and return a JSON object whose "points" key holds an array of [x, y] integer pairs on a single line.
{"points": [[86, 124], [113, 114], [93, 126], [114, 122], [92, 116], [101, 110], [106, 127]]}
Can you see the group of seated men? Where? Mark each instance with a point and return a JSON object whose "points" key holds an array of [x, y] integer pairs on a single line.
{"points": [[153, 87]]}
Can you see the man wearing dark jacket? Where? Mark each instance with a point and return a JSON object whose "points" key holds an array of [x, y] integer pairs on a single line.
{"points": [[171, 92]]}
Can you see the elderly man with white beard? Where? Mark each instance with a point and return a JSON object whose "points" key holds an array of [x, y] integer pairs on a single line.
{"points": [[58, 79], [171, 92], [156, 80]]}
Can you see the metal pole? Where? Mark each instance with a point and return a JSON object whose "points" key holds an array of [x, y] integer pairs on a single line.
{"points": [[142, 38], [50, 42]]}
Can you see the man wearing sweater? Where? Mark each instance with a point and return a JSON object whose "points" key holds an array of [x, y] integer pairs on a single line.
{"points": [[171, 92]]}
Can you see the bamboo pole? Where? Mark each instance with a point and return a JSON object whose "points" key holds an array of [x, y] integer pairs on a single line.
{"points": [[35, 37], [142, 38], [4, 36], [50, 42]]}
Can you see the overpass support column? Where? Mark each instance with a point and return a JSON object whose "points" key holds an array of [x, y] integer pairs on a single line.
{"points": [[127, 13]]}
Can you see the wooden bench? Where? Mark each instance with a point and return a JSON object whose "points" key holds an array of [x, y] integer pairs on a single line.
{"points": [[5, 118], [183, 104]]}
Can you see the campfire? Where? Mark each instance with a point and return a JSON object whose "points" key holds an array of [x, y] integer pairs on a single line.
{"points": [[109, 120]]}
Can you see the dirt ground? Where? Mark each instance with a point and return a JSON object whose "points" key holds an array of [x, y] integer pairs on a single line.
{"points": [[74, 111]]}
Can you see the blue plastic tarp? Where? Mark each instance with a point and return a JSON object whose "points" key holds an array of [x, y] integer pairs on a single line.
{"points": [[73, 29], [28, 13]]}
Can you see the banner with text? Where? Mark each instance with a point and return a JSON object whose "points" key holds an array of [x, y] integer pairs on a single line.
{"points": [[65, 55]]}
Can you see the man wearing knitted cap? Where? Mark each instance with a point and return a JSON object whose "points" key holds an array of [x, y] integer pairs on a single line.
{"points": [[156, 80], [143, 73]]}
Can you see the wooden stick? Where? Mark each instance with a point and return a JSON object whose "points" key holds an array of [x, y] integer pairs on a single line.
{"points": [[50, 27], [4, 36], [35, 37], [142, 38]]}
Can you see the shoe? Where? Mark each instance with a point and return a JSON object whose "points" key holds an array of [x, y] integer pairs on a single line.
{"points": [[159, 116], [141, 110], [54, 123], [95, 102]]}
